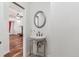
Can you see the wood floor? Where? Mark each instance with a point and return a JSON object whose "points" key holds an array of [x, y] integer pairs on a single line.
{"points": [[16, 46]]}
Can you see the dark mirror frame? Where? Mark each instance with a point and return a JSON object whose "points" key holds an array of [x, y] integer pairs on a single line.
{"points": [[38, 19]]}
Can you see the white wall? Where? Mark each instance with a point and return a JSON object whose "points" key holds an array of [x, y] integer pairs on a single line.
{"points": [[63, 29], [4, 38], [26, 28], [37, 6]]}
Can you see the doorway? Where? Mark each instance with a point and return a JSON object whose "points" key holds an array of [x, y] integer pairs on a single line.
{"points": [[15, 30]]}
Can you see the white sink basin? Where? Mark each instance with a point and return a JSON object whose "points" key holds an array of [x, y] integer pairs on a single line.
{"points": [[37, 37]]}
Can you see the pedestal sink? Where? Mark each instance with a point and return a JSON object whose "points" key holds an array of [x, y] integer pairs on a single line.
{"points": [[38, 46], [38, 37]]}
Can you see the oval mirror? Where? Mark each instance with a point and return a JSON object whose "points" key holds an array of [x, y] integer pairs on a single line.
{"points": [[39, 19]]}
